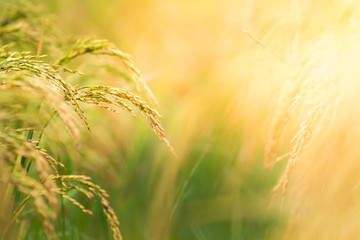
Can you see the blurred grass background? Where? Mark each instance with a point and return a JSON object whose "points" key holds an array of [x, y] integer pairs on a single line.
{"points": [[201, 67], [217, 89]]}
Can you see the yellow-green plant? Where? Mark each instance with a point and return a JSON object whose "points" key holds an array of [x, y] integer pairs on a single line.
{"points": [[34, 91]]}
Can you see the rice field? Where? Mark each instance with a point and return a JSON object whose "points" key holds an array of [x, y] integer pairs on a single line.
{"points": [[179, 120]]}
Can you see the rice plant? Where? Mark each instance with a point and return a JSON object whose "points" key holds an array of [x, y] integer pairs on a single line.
{"points": [[35, 92]]}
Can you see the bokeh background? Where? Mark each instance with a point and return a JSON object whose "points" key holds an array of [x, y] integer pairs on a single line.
{"points": [[222, 72], [210, 80]]}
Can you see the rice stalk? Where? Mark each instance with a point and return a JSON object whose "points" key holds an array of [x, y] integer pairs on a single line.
{"points": [[107, 95], [104, 47], [304, 100], [42, 192], [83, 184]]}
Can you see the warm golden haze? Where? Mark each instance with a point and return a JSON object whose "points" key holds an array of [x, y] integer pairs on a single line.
{"points": [[258, 98]]}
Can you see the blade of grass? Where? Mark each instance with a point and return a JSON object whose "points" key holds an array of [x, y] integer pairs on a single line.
{"points": [[181, 192], [26, 200]]}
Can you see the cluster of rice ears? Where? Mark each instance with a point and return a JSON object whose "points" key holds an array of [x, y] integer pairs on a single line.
{"points": [[315, 128], [300, 98], [26, 73], [308, 102]]}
